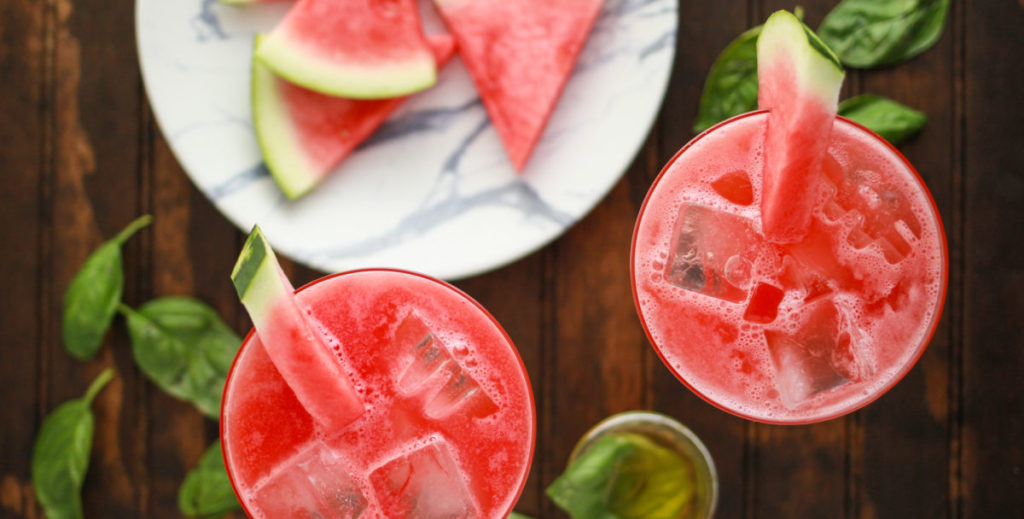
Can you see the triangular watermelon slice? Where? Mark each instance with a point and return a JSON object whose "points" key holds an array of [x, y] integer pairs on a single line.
{"points": [[304, 134], [799, 79], [520, 54], [364, 49], [291, 339]]}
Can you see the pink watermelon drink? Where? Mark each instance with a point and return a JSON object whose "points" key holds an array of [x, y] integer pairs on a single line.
{"points": [[444, 423], [814, 314]]}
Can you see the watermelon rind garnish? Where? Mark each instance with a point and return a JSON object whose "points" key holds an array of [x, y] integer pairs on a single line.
{"points": [[799, 79], [289, 337], [359, 49], [818, 70], [257, 276]]}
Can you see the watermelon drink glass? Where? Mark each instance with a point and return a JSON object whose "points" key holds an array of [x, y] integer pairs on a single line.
{"points": [[447, 423], [798, 332]]}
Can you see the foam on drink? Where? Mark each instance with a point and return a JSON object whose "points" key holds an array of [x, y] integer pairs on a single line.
{"points": [[788, 332]]}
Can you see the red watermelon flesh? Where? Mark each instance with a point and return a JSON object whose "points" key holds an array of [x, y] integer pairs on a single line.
{"points": [[304, 134], [799, 80], [520, 54], [365, 49]]}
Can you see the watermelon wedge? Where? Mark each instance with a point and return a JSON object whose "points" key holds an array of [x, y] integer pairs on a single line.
{"points": [[363, 49], [520, 54], [304, 134], [799, 79], [297, 349]]}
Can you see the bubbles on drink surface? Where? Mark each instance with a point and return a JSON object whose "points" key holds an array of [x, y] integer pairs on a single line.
{"points": [[431, 372], [315, 483], [802, 298], [425, 483]]}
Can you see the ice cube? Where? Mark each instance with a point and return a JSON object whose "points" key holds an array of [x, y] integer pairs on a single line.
{"points": [[423, 484], [713, 253], [883, 215], [315, 483], [803, 360], [432, 373]]}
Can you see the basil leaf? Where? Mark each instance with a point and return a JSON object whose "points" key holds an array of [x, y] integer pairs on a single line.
{"points": [[207, 491], [517, 515], [874, 33], [625, 476], [61, 455], [92, 297], [893, 121], [185, 348], [731, 86]]}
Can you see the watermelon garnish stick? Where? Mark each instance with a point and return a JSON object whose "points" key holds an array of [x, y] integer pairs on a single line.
{"points": [[520, 54], [306, 363], [363, 49], [799, 80], [304, 134]]}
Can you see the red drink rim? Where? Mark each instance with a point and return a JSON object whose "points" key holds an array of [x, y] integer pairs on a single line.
{"points": [[515, 351], [883, 389]]}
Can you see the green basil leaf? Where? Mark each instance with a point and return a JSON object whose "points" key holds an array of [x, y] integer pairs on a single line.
{"points": [[184, 347], [874, 33], [893, 121], [206, 491], [61, 455], [517, 515], [92, 298], [625, 476], [731, 86]]}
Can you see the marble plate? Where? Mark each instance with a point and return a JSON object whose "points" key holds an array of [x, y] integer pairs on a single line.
{"points": [[432, 190]]}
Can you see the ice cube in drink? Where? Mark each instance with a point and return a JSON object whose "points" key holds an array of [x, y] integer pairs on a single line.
{"points": [[316, 483], [425, 483]]}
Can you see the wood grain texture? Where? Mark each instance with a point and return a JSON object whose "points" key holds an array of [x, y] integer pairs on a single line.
{"points": [[81, 156], [993, 364], [190, 255], [595, 362], [22, 137]]}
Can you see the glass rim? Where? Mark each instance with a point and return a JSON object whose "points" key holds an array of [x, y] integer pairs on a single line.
{"points": [[880, 390], [515, 351]]}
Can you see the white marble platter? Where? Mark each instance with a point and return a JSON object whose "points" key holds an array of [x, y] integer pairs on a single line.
{"points": [[432, 190]]}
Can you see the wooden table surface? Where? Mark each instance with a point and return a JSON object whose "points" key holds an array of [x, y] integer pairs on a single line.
{"points": [[81, 156]]}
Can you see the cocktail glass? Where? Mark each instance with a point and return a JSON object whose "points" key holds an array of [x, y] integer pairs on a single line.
{"points": [[788, 333]]}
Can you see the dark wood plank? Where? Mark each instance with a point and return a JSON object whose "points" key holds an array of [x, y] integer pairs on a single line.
{"points": [[993, 364], [902, 440], [22, 129], [714, 25], [594, 363], [192, 252], [94, 193], [514, 295]]}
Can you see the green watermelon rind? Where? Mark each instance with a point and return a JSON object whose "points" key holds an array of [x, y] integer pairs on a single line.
{"points": [[257, 277], [277, 137], [819, 71], [302, 66]]}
